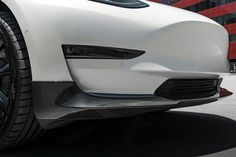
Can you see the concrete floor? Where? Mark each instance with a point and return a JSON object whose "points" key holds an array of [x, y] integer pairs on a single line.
{"points": [[208, 130]]}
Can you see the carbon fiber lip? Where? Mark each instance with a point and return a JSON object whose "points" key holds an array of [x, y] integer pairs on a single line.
{"points": [[56, 104], [75, 98]]}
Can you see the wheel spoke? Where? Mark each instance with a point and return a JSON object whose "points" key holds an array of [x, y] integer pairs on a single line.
{"points": [[5, 81], [2, 46], [2, 114], [3, 101], [5, 70]]}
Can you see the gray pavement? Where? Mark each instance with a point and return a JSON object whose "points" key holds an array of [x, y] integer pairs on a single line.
{"points": [[207, 130]]}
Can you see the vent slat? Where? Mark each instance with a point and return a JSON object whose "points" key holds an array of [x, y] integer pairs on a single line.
{"points": [[188, 88]]}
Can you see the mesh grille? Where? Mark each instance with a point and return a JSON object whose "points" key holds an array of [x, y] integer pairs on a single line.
{"points": [[188, 88]]}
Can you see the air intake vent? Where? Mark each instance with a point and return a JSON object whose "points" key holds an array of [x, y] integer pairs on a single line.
{"points": [[176, 89]]}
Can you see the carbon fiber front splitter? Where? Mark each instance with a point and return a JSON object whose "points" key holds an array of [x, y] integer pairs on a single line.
{"points": [[56, 104]]}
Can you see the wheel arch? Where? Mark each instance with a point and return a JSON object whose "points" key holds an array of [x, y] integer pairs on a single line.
{"points": [[6, 8], [41, 68]]}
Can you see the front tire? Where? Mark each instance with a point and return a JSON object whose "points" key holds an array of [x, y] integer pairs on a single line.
{"points": [[18, 124]]}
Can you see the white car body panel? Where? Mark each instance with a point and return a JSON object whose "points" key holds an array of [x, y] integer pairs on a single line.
{"points": [[177, 44]]}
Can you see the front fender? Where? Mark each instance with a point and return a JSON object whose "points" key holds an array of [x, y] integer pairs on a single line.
{"points": [[45, 53]]}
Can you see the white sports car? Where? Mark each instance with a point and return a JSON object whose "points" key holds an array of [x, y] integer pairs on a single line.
{"points": [[66, 60]]}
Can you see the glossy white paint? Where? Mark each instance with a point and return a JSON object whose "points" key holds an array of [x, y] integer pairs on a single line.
{"points": [[178, 43]]}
